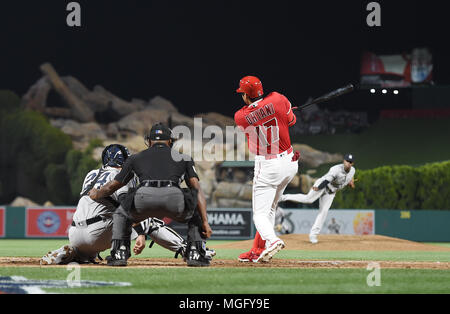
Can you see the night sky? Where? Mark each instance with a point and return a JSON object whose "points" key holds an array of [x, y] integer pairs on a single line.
{"points": [[195, 52]]}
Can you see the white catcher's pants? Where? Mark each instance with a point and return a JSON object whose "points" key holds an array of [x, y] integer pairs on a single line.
{"points": [[270, 180], [325, 201]]}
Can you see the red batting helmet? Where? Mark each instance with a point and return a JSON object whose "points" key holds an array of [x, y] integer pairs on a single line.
{"points": [[250, 85]]}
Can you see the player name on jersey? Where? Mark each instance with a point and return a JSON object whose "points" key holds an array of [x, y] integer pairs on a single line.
{"points": [[260, 114]]}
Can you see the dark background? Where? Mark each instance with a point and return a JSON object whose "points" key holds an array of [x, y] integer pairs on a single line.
{"points": [[195, 52]]}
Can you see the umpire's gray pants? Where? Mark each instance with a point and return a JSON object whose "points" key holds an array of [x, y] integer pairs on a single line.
{"points": [[158, 202], [154, 202], [90, 240]]}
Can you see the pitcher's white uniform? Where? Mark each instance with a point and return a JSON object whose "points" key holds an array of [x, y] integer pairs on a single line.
{"points": [[338, 179], [266, 124]]}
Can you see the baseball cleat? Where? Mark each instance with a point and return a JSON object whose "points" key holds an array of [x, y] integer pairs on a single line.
{"points": [[119, 255], [56, 257], [250, 256], [313, 239], [210, 253], [195, 259], [255, 257], [195, 255], [245, 257], [118, 259], [270, 251]]}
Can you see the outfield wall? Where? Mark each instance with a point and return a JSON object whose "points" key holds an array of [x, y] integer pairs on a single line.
{"points": [[237, 224]]}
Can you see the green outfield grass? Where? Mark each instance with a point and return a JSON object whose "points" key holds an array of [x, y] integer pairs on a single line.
{"points": [[240, 280], [37, 248]]}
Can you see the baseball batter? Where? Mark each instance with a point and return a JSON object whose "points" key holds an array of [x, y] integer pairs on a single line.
{"points": [[324, 189], [259, 245], [266, 122], [91, 229]]}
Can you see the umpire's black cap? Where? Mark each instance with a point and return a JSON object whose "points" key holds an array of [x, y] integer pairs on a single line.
{"points": [[349, 158], [160, 132]]}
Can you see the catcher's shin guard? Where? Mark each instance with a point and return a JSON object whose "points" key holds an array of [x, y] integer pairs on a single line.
{"points": [[168, 238], [161, 234]]}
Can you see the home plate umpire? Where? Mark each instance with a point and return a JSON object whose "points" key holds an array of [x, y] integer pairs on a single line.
{"points": [[160, 170]]}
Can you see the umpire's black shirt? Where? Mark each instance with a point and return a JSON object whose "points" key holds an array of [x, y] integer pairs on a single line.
{"points": [[158, 162]]}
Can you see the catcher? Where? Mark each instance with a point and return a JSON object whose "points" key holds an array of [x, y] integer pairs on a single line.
{"points": [[91, 229]]}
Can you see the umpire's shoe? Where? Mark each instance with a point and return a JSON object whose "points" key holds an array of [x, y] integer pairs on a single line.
{"points": [[120, 253], [195, 255]]}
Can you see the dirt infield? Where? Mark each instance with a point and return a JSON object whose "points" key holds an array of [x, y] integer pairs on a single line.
{"points": [[293, 242], [275, 263], [344, 243]]}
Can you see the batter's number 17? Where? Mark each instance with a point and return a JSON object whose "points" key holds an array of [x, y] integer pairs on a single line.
{"points": [[266, 139]]}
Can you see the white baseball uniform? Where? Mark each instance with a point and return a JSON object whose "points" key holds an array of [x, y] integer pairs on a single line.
{"points": [[87, 241], [338, 179], [266, 124]]}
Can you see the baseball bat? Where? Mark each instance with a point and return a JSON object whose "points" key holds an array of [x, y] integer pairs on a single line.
{"points": [[333, 94]]}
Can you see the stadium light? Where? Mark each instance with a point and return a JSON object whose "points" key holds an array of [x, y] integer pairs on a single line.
{"points": [[384, 91], [395, 92], [372, 91]]}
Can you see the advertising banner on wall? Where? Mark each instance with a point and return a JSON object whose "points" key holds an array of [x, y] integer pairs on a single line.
{"points": [[226, 223], [348, 222], [2, 222], [48, 222]]}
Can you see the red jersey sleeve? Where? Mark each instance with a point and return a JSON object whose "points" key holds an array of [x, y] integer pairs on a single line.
{"points": [[239, 119], [292, 119], [287, 107]]}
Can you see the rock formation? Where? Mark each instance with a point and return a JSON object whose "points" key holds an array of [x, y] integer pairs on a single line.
{"points": [[86, 114]]}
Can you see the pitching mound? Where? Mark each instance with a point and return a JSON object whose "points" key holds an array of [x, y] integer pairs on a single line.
{"points": [[343, 243]]}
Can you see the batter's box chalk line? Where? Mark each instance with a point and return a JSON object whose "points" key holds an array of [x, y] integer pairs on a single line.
{"points": [[22, 285]]}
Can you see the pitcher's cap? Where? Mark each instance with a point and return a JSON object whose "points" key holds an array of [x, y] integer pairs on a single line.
{"points": [[349, 158]]}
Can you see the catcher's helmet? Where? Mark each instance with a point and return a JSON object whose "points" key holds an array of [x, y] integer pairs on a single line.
{"points": [[115, 155], [250, 85]]}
